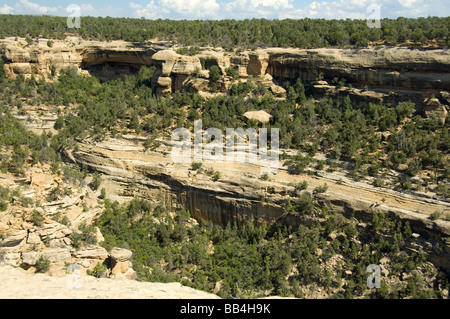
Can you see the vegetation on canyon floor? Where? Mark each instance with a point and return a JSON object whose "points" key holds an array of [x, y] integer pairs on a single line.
{"points": [[330, 256]]}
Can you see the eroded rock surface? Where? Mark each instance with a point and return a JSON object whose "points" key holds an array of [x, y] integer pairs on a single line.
{"points": [[237, 197], [70, 286], [377, 74]]}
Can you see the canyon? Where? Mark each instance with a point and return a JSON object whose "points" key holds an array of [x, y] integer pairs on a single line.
{"points": [[240, 195]]}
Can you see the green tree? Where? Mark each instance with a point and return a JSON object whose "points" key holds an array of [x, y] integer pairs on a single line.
{"points": [[215, 74], [102, 194], [134, 122], [59, 123], [230, 71], [96, 181], [42, 265], [2, 71]]}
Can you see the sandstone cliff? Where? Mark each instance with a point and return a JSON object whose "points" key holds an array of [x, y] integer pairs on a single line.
{"points": [[105, 60], [31, 235], [236, 197], [51, 230], [388, 75], [375, 74], [129, 169]]}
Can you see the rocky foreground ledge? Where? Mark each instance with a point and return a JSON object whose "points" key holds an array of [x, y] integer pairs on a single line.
{"points": [[18, 284]]}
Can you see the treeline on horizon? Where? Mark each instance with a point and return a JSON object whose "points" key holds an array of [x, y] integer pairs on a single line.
{"points": [[229, 34]]}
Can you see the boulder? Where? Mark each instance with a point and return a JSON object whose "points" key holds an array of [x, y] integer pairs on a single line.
{"points": [[33, 238], [276, 89], [84, 263], [433, 107], [119, 268], [165, 60], [55, 254], [120, 254], [41, 179], [123, 269], [260, 116], [165, 82], [30, 258], [120, 264], [12, 259], [92, 252], [163, 85], [13, 239]]}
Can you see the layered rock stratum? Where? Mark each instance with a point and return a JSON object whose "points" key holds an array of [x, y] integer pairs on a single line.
{"points": [[378, 74], [238, 197], [129, 169]]}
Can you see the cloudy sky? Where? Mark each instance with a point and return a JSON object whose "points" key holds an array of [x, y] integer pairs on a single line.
{"points": [[232, 9]]}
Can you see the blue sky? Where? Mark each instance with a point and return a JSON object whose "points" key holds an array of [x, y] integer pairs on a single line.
{"points": [[232, 9]]}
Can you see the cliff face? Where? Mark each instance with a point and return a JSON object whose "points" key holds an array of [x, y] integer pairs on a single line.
{"points": [[396, 68], [29, 233], [391, 74], [105, 60], [385, 69], [235, 197], [38, 59]]}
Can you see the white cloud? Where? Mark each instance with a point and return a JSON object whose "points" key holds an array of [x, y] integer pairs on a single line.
{"points": [[186, 9], [25, 6], [135, 5], [258, 8], [341, 9], [6, 9], [192, 8], [87, 7], [408, 3], [150, 11], [357, 9]]}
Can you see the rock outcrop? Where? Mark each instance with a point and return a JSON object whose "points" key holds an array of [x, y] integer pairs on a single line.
{"points": [[121, 265], [105, 60], [18, 284], [385, 75], [388, 75], [376, 75], [395, 68], [433, 107], [237, 198], [260, 116], [51, 231]]}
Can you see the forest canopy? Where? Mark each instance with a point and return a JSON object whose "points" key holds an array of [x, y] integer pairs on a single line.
{"points": [[300, 33]]}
